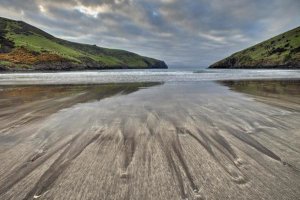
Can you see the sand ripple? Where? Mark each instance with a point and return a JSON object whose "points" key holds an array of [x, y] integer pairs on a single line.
{"points": [[150, 141]]}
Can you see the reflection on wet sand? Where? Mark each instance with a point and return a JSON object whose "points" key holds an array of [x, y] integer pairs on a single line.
{"points": [[286, 91], [150, 141]]}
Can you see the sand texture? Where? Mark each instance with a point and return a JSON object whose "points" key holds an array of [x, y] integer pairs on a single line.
{"points": [[210, 140]]}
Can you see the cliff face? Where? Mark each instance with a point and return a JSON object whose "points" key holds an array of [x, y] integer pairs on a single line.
{"points": [[282, 51], [25, 47]]}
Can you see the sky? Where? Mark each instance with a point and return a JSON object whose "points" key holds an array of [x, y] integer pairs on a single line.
{"points": [[180, 32]]}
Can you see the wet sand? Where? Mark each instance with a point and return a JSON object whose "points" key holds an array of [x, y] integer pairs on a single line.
{"points": [[202, 140]]}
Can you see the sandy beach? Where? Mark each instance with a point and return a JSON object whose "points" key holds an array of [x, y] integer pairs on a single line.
{"points": [[178, 140]]}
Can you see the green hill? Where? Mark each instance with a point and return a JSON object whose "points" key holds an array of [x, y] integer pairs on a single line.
{"points": [[24, 47], [282, 51]]}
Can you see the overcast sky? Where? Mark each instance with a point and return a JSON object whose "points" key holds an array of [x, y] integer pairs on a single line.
{"points": [[180, 32]]}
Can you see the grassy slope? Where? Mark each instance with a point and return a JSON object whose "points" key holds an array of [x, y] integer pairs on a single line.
{"points": [[32, 42], [282, 51]]}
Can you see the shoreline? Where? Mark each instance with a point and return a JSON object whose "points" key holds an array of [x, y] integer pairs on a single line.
{"points": [[147, 75]]}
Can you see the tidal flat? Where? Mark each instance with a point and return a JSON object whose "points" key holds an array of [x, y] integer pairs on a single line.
{"points": [[176, 140]]}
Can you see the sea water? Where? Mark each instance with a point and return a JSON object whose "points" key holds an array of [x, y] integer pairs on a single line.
{"points": [[147, 75]]}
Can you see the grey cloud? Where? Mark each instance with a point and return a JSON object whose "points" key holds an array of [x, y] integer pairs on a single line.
{"points": [[187, 32]]}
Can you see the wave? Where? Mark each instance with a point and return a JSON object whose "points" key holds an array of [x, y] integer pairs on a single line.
{"points": [[121, 76]]}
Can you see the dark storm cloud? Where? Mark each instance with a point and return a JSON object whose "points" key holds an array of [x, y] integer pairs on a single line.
{"points": [[189, 32]]}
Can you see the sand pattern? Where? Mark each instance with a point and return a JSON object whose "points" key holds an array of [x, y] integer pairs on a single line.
{"points": [[210, 140]]}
